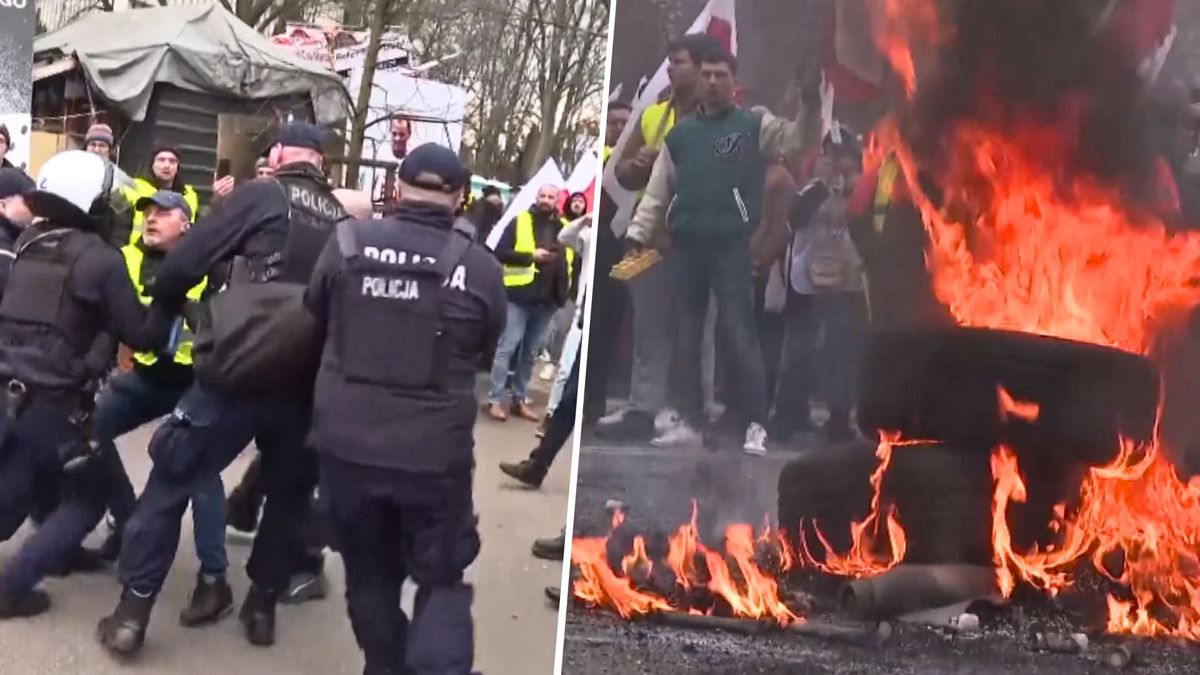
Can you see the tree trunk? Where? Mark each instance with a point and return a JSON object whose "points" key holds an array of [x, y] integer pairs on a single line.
{"points": [[362, 105]]}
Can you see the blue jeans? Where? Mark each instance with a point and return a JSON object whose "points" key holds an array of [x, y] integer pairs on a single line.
{"points": [[526, 329], [130, 401]]}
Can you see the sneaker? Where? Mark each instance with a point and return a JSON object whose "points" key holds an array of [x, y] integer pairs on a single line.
{"points": [[681, 435], [612, 418], [305, 586], [634, 425], [666, 420], [756, 440]]}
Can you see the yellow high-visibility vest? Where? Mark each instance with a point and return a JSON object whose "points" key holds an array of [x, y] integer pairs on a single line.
{"points": [[525, 242], [654, 127], [183, 351], [144, 188]]}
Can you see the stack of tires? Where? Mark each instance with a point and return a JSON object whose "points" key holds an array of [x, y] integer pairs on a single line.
{"points": [[940, 385]]}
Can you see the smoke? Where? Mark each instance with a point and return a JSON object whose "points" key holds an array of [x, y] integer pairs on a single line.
{"points": [[1018, 65]]}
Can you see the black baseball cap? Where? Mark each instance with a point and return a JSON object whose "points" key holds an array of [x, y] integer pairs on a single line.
{"points": [[434, 167], [301, 135], [15, 182], [167, 200]]}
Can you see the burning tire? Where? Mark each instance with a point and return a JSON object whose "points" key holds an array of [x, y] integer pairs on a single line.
{"points": [[829, 488], [941, 384]]}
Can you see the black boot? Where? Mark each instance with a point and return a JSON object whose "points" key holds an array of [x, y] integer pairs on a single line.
{"points": [[23, 605], [554, 594], [124, 631], [258, 617], [210, 602], [553, 548], [526, 472]]}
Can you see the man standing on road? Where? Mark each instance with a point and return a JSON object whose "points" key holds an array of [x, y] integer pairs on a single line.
{"points": [[410, 308], [153, 387], [267, 236], [652, 294], [537, 276], [712, 172]]}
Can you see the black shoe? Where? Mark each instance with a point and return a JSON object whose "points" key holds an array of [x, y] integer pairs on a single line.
{"points": [[525, 472], [553, 548], [124, 631], [24, 605], [634, 426], [554, 594], [84, 561], [209, 603], [258, 617], [304, 587]]}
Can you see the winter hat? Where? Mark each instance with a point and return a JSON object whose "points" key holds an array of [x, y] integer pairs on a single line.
{"points": [[100, 132], [164, 148]]}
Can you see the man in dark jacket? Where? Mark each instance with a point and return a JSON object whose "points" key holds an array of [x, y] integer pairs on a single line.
{"points": [[274, 230], [15, 216], [537, 276], [410, 307]]}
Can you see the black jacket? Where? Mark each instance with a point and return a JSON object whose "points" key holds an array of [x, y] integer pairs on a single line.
{"points": [[420, 430], [8, 245], [253, 223], [551, 286]]}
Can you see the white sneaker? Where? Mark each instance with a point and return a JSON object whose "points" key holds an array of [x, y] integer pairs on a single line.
{"points": [[666, 420], [612, 418], [756, 440], [681, 435]]}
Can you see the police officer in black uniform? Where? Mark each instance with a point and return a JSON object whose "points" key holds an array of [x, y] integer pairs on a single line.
{"points": [[411, 308], [274, 230], [67, 298]]}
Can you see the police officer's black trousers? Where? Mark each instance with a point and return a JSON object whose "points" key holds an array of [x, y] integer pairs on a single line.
{"points": [[391, 525], [30, 448], [205, 434], [562, 423]]}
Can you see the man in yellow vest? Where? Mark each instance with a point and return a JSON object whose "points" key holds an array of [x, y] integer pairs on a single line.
{"points": [[152, 389], [537, 278], [652, 293], [163, 175]]}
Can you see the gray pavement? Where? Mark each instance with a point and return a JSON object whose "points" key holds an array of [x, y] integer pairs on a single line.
{"points": [[515, 626]]}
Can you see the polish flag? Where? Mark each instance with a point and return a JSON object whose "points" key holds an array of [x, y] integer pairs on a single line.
{"points": [[718, 20]]}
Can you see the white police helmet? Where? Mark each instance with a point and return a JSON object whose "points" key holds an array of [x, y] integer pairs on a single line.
{"points": [[71, 184]]}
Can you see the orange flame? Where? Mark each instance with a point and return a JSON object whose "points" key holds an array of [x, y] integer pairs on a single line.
{"points": [[1010, 408], [863, 560], [749, 593]]}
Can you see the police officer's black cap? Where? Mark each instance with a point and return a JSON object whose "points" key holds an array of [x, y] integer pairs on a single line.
{"points": [[165, 199], [301, 135], [15, 182], [434, 167]]}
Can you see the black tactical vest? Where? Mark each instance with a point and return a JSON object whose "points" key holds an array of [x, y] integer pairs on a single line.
{"points": [[312, 213], [387, 326], [46, 334]]}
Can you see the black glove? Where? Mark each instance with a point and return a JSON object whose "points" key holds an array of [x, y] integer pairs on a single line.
{"points": [[805, 204], [633, 246]]}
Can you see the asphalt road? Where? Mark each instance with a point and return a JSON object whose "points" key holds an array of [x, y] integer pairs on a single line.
{"points": [[515, 626], [656, 488]]}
